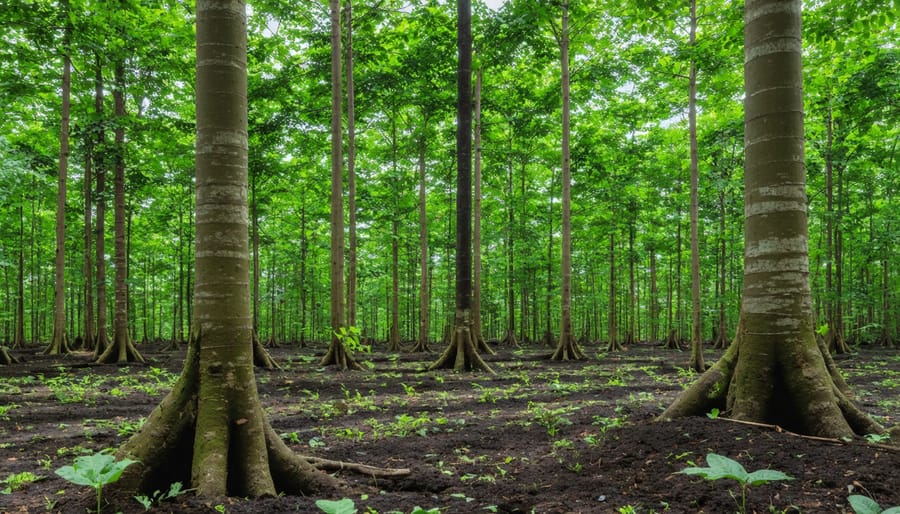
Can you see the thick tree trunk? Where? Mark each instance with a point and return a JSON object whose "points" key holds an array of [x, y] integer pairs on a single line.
{"points": [[59, 343], [775, 372], [210, 430], [461, 353], [476, 236], [696, 362]]}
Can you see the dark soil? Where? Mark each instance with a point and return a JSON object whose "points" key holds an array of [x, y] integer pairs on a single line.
{"points": [[540, 436]]}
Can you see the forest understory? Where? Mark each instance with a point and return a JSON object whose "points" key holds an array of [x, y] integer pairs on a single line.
{"points": [[539, 436]]}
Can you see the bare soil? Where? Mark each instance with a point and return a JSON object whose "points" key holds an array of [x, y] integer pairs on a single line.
{"points": [[540, 436]]}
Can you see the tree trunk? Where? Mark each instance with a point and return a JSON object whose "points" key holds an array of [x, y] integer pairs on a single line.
{"points": [[775, 372], [394, 331], [476, 236], [510, 338], [351, 173], [613, 344], [103, 341], [696, 363], [461, 353], [210, 431], [721, 341], [122, 349], [59, 343], [424, 292], [19, 329], [834, 337], [567, 346], [337, 353]]}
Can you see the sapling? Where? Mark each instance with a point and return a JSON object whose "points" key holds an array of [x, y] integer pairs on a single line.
{"points": [[865, 505], [95, 471], [723, 467]]}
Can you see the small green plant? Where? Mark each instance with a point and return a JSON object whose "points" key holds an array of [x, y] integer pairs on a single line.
{"points": [[349, 336], [158, 496], [342, 506], [408, 389], [713, 413], [723, 467], [865, 505], [877, 438], [4, 410], [15, 481], [96, 471]]}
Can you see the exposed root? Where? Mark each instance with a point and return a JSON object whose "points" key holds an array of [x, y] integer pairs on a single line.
{"points": [[462, 351], [567, 349], [120, 350], [362, 469], [6, 358], [261, 357], [339, 356]]}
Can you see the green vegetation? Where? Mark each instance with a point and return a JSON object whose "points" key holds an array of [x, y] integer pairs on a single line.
{"points": [[158, 496], [865, 505], [95, 471], [16, 480], [722, 467]]}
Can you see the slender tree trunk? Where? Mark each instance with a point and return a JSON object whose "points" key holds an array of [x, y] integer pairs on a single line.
{"points": [[103, 341], [775, 372], [697, 363], [462, 350], [337, 354], [59, 342], [19, 330], [351, 172], [476, 236], [394, 331], [510, 338], [834, 337], [613, 344], [567, 347], [424, 292], [122, 349], [654, 298]]}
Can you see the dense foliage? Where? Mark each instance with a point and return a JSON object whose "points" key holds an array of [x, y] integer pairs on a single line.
{"points": [[629, 66]]}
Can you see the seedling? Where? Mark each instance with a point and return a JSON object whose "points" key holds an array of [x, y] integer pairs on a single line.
{"points": [[877, 438], [96, 471], [160, 496], [865, 505], [17, 480], [723, 467]]}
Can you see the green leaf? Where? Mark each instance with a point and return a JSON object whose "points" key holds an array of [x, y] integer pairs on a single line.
{"points": [[864, 504], [762, 476], [342, 506]]}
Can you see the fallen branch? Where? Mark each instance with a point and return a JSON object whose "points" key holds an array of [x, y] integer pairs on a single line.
{"points": [[363, 469]]}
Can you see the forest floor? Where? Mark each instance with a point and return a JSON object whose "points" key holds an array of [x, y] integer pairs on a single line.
{"points": [[540, 436]]}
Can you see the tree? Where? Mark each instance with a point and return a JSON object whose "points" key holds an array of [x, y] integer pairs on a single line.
{"points": [[461, 353], [775, 371], [121, 349], [696, 337], [213, 408], [337, 353], [60, 343], [567, 347]]}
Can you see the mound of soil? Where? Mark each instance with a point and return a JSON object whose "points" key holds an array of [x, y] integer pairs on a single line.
{"points": [[540, 436]]}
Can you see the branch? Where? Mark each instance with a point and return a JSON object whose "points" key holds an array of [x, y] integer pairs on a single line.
{"points": [[363, 469]]}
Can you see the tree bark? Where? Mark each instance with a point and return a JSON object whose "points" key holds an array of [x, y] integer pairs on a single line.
{"points": [[121, 349], [696, 362], [424, 293], [210, 430], [567, 347], [59, 343], [775, 372], [337, 353], [351, 173], [476, 236], [461, 353]]}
